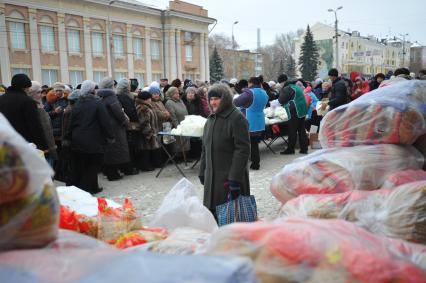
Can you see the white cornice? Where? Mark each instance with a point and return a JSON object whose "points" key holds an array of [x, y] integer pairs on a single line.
{"points": [[188, 16]]}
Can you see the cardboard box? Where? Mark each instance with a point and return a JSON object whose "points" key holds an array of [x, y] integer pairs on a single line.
{"points": [[313, 141]]}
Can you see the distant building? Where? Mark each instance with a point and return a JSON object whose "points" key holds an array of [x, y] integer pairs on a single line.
{"points": [[417, 58], [247, 63], [70, 41], [366, 55]]}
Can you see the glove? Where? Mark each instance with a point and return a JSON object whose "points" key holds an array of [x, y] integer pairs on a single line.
{"points": [[234, 189], [201, 179]]}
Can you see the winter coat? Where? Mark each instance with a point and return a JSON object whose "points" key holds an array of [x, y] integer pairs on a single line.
{"points": [[117, 152], [177, 110], [338, 94], [194, 107], [358, 91], [205, 105], [21, 112], [47, 130], [90, 127], [147, 125], [56, 118], [161, 114], [128, 104], [225, 153]]}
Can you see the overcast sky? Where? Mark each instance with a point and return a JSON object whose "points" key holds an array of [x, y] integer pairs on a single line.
{"points": [[375, 17]]}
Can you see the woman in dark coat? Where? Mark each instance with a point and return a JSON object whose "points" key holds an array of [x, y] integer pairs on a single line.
{"points": [[226, 149], [117, 153], [89, 132]]}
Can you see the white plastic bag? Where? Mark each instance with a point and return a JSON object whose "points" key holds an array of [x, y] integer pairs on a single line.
{"points": [[339, 170], [182, 208], [29, 206]]}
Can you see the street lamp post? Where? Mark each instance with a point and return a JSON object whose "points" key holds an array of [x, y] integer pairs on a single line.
{"points": [[403, 48], [336, 34], [111, 41], [233, 51]]}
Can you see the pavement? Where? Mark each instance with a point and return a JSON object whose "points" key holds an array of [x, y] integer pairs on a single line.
{"points": [[147, 192]]}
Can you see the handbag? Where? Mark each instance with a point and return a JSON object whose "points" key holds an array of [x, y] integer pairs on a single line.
{"points": [[242, 209]]}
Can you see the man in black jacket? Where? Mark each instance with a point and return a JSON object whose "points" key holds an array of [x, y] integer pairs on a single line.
{"points": [[21, 111], [339, 91]]}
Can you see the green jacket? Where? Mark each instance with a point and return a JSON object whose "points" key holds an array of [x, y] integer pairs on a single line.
{"points": [[299, 101]]}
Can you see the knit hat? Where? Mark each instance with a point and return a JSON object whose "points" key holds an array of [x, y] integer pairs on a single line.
{"points": [[144, 95], [106, 83], [123, 84], [74, 95], [318, 81], [333, 72], [233, 81], [35, 87], [187, 83], [58, 86], [20, 81], [154, 90], [214, 93], [271, 83], [87, 87]]}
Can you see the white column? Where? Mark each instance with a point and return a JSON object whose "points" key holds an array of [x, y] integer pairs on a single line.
{"points": [[87, 48], [130, 62], [207, 57], [166, 56], [172, 51], [108, 48], [179, 54], [63, 54], [4, 49], [202, 59], [148, 68], [35, 53]]}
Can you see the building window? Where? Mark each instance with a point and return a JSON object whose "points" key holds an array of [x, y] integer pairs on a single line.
{"points": [[189, 77], [137, 47], [120, 75], [74, 41], [98, 76], [17, 35], [156, 77], [187, 36], [188, 53], [47, 39], [97, 43], [118, 45], [49, 76], [141, 79], [76, 77], [155, 49], [25, 71]]}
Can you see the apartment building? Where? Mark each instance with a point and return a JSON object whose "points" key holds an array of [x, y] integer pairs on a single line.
{"points": [[70, 41]]}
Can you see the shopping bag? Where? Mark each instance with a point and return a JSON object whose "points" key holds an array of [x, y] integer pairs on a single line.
{"points": [[242, 209]]}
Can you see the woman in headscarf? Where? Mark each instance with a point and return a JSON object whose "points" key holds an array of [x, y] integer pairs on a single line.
{"points": [[117, 153]]}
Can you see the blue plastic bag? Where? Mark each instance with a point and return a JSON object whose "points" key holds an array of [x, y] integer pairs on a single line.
{"points": [[242, 209]]}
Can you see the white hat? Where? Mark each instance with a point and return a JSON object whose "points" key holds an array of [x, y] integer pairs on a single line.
{"points": [[233, 81], [271, 83]]}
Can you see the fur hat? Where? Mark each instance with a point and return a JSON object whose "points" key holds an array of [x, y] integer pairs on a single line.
{"points": [[333, 72], [51, 96], [74, 95], [144, 95], [106, 83], [20, 81], [58, 86], [87, 87]]}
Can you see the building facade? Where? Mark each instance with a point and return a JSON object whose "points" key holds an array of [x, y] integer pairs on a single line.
{"points": [[247, 63], [70, 41], [417, 58], [366, 55]]}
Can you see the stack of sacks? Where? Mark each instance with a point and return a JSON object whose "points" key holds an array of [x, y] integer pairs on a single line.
{"points": [[398, 212], [192, 125], [339, 170], [395, 114], [313, 250], [29, 206]]}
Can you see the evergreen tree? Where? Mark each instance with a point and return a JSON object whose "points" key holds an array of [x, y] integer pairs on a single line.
{"points": [[291, 67], [308, 60], [281, 69], [216, 67]]}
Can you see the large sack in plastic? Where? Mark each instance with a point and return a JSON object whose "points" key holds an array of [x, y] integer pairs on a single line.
{"points": [[420, 144], [397, 213], [313, 250], [29, 207], [182, 208], [79, 258], [338, 170], [402, 177], [395, 114]]}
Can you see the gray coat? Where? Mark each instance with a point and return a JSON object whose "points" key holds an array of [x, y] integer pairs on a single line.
{"points": [[117, 152], [225, 154], [177, 110]]}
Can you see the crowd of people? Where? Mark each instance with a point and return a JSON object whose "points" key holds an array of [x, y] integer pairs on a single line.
{"points": [[112, 127]]}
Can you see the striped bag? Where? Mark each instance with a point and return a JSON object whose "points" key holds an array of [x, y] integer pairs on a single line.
{"points": [[242, 209]]}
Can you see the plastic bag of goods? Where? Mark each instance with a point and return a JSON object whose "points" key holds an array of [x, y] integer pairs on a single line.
{"points": [[316, 250], [139, 237], [340, 170], [29, 207], [71, 220], [420, 144], [78, 258], [192, 125], [402, 177], [391, 115], [182, 208]]}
